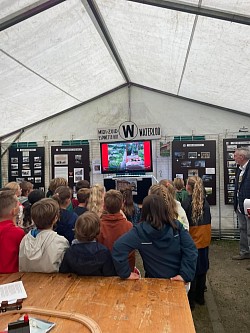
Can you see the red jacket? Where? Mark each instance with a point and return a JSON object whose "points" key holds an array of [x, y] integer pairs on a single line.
{"points": [[10, 238], [112, 227]]}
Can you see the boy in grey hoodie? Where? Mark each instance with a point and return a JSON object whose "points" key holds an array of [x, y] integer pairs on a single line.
{"points": [[42, 249]]}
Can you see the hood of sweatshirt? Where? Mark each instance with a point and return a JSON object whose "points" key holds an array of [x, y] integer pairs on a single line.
{"points": [[34, 246], [160, 238]]}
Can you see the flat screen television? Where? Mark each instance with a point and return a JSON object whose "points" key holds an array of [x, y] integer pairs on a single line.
{"points": [[126, 157]]}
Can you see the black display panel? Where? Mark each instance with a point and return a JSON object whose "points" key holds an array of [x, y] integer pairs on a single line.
{"points": [[230, 167], [196, 158], [71, 163], [27, 164], [140, 186]]}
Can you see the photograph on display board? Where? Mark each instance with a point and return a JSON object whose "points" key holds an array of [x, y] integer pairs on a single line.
{"points": [[26, 173], [193, 172], [37, 159], [31, 179], [14, 173], [61, 172], [186, 164], [14, 166], [230, 156], [96, 167], [26, 159], [207, 178], [165, 149], [61, 159], [37, 172], [179, 175], [37, 165], [78, 159], [230, 193], [26, 166], [14, 160], [78, 174], [192, 154], [125, 182], [231, 164], [232, 147], [38, 180], [19, 179], [231, 171], [230, 187], [205, 154], [208, 190], [179, 154], [200, 164]]}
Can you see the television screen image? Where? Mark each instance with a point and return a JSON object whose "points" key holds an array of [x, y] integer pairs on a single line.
{"points": [[126, 157]]}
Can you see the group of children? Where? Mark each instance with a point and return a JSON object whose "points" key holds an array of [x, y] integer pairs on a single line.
{"points": [[97, 233]]}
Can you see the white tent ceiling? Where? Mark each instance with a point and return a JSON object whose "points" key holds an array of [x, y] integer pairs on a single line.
{"points": [[77, 50]]}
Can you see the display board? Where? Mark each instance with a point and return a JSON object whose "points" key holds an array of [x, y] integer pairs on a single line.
{"points": [[71, 163], [230, 167], [196, 158], [27, 164]]}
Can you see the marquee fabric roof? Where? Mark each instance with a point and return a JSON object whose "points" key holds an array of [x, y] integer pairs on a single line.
{"points": [[58, 54]]}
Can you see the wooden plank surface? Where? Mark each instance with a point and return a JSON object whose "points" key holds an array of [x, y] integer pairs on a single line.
{"points": [[145, 305]]}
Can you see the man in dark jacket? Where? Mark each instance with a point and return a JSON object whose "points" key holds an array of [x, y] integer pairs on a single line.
{"points": [[242, 192]]}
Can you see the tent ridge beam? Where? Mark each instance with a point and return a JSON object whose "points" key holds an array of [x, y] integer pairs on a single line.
{"points": [[27, 12], [201, 11], [98, 21], [133, 84]]}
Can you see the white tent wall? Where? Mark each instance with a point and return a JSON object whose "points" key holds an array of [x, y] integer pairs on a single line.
{"points": [[176, 116]]}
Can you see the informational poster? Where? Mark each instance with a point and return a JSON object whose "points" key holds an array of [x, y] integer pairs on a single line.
{"points": [[71, 163], [196, 158], [27, 164], [230, 167]]}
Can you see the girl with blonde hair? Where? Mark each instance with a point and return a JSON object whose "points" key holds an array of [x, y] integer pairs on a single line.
{"points": [[96, 199], [168, 194], [199, 216], [17, 189]]}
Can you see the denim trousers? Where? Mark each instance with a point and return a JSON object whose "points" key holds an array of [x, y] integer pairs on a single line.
{"points": [[244, 227]]}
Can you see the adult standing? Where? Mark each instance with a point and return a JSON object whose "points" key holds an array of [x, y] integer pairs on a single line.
{"points": [[242, 192]]}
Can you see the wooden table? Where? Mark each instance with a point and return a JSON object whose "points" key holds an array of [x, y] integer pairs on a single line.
{"points": [[145, 305]]}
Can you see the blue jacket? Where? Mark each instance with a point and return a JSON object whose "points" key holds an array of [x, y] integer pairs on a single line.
{"points": [[244, 188], [165, 253], [66, 224], [89, 259]]}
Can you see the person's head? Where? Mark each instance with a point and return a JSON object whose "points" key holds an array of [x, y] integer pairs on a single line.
{"points": [[242, 155], [113, 201], [155, 212], [83, 195], [26, 188], [165, 182], [127, 199], [62, 195], [96, 199], [178, 184], [35, 196], [87, 227], [82, 184], [15, 187], [56, 182], [45, 213], [169, 199], [9, 207], [196, 189]]}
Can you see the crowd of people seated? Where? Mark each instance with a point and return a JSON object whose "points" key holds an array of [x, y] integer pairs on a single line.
{"points": [[98, 232]]}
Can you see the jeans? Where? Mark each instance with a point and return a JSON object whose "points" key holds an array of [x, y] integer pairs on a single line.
{"points": [[244, 226]]}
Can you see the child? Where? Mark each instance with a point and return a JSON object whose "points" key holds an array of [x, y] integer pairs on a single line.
{"points": [[79, 185], [10, 234], [16, 188], [67, 219], [181, 192], [129, 207], [82, 198], [42, 249], [26, 189], [166, 248], [96, 199], [199, 216], [33, 197], [113, 223], [86, 256]]}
